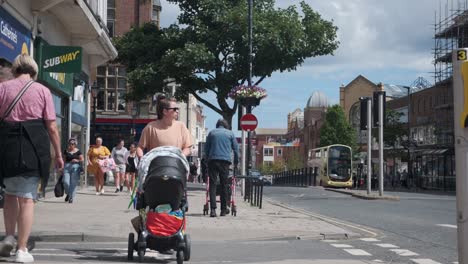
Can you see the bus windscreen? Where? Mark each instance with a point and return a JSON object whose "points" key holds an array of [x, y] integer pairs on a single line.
{"points": [[339, 163]]}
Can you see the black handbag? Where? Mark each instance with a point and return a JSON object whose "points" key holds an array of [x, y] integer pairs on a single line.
{"points": [[59, 190]]}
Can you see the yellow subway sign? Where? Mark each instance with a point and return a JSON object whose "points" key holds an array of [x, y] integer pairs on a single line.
{"points": [[63, 59]]}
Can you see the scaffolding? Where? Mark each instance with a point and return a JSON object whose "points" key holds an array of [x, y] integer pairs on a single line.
{"points": [[451, 32]]}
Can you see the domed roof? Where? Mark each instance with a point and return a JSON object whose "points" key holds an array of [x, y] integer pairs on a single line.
{"points": [[317, 99]]}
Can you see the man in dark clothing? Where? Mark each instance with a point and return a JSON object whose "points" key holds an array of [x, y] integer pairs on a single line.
{"points": [[203, 171], [219, 145]]}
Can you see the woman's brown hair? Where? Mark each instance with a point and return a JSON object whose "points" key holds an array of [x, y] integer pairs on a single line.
{"points": [[163, 102]]}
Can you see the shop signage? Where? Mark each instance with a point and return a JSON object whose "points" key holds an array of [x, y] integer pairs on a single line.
{"points": [[15, 39], [61, 59]]}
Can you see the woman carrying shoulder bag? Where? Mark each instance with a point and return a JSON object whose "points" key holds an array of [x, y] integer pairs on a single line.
{"points": [[27, 127]]}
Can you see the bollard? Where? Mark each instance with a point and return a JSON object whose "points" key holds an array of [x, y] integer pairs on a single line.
{"points": [[315, 176], [261, 196]]}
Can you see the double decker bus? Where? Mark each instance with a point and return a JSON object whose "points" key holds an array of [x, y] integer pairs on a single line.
{"points": [[334, 165]]}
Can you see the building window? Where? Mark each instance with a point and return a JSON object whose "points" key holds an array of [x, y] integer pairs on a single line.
{"points": [[113, 83], [111, 17], [155, 12], [268, 152], [280, 152]]}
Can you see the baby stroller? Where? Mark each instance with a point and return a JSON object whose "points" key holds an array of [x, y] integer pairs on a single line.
{"points": [[162, 176], [231, 194]]}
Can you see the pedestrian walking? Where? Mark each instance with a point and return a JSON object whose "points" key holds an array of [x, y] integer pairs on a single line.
{"points": [[27, 128], [131, 169], [95, 153], [219, 146], [166, 130], [193, 171], [118, 154], [71, 172]]}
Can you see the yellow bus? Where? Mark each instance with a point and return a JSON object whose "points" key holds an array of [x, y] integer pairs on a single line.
{"points": [[334, 165]]}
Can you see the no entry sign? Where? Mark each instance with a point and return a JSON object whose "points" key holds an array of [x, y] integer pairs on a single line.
{"points": [[248, 122]]}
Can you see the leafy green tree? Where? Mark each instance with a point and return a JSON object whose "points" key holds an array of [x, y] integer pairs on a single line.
{"points": [[278, 166], [294, 161], [336, 129], [209, 52], [266, 169], [394, 130]]}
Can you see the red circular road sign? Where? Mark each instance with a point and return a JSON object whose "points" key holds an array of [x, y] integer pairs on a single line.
{"points": [[248, 122]]}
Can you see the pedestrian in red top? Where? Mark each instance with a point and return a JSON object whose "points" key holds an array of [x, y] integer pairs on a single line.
{"points": [[26, 132]]}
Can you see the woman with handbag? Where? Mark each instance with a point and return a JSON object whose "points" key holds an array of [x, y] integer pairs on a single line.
{"points": [[27, 127], [96, 153], [71, 172]]}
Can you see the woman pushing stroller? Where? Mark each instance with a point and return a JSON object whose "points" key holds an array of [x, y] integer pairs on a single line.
{"points": [[162, 176]]}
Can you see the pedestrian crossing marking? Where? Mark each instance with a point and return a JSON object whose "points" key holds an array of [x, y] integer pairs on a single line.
{"points": [[370, 239], [387, 246], [330, 241], [425, 261], [357, 252], [341, 245], [378, 260], [404, 252]]}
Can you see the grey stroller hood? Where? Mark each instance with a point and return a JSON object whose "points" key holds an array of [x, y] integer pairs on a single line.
{"points": [[146, 160]]}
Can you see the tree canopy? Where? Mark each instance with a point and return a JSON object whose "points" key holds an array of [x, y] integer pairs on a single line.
{"points": [[336, 129], [208, 52]]}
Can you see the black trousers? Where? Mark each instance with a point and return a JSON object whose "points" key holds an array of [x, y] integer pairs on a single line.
{"points": [[218, 169]]}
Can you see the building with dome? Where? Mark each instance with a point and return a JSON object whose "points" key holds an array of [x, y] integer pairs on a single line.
{"points": [[314, 117]]}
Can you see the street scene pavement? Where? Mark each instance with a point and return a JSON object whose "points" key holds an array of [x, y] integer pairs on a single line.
{"points": [[94, 229], [416, 226]]}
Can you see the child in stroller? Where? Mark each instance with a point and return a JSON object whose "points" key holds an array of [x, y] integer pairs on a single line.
{"points": [[162, 202]]}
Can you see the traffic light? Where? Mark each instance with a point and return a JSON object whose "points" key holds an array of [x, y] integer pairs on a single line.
{"points": [[363, 117], [375, 108]]}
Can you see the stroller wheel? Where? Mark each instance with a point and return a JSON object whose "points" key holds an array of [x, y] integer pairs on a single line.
{"points": [[180, 256], [188, 243], [234, 210], [141, 254], [131, 245], [205, 209]]}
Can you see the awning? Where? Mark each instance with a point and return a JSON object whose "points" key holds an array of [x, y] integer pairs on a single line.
{"points": [[429, 152], [86, 29]]}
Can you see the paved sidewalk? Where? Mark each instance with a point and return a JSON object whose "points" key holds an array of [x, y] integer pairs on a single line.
{"points": [[106, 218]]}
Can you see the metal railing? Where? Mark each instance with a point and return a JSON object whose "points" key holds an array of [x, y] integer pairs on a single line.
{"points": [[298, 177], [253, 191]]}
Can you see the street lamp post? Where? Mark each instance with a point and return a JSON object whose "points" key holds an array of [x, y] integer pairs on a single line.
{"points": [[410, 171], [94, 94], [134, 116]]}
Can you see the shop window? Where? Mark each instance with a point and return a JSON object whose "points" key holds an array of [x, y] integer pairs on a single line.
{"points": [[101, 70], [111, 70], [111, 83], [101, 82], [110, 101], [121, 103], [122, 71], [122, 83]]}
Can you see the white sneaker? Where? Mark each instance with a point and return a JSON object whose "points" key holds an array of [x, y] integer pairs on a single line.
{"points": [[7, 245], [23, 256], [102, 191], [98, 193]]}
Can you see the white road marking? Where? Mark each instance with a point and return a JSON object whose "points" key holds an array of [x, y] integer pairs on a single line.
{"points": [[58, 255], [456, 262], [425, 261], [446, 225], [378, 260], [404, 252], [357, 252], [341, 245], [330, 241], [387, 245], [370, 239]]}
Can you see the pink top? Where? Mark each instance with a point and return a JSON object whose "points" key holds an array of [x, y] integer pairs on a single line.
{"points": [[36, 102]]}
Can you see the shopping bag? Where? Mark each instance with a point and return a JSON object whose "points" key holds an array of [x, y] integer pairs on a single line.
{"points": [[59, 189], [106, 164]]}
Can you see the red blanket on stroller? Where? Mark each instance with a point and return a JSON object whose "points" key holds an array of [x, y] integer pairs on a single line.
{"points": [[164, 223]]}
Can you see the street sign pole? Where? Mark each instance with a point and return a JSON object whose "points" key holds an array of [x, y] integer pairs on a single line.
{"points": [[369, 145], [460, 109], [381, 144], [249, 108], [243, 163]]}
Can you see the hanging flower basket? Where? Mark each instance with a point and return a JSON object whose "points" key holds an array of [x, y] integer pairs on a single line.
{"points": [[247, 95]]}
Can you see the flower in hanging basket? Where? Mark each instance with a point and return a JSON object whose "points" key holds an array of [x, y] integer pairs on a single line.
{"points": [[244, 91]]}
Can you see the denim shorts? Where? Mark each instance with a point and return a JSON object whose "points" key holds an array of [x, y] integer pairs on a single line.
{"points": [[25, 187], [120, 168]]}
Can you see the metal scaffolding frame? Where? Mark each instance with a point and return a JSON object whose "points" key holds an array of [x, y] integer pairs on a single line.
{"points": [[450, 32]]}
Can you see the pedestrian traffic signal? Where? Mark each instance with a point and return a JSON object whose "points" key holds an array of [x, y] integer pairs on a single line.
{"points": [[363, 117]]}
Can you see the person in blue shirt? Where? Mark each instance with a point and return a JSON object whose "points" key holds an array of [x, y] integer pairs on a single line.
{"points": [[219, 146]]}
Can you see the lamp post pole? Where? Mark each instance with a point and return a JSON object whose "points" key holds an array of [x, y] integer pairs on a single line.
{"points": [[249, 108], [410, 171]]}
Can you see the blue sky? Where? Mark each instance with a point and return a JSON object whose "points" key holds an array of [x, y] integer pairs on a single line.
{"points": [[385, 41]]}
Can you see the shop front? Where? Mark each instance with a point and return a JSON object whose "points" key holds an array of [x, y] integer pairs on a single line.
{"points": [[113, 129], [15, 38]]}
